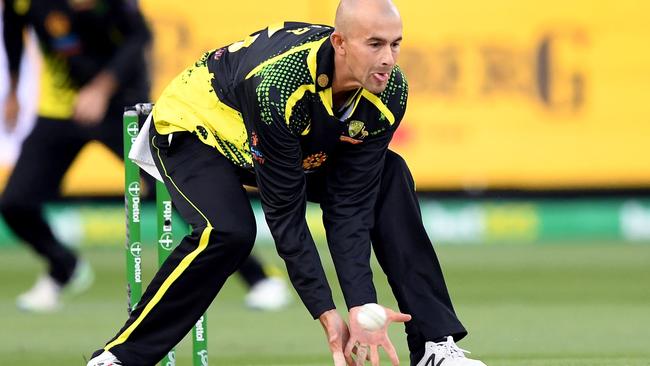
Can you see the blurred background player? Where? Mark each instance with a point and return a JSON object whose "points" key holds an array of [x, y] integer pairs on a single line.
{"points": [[93, 65]]}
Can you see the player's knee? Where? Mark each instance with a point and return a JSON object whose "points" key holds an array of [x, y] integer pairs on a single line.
{"points": [[396, 169], [395, 164]]}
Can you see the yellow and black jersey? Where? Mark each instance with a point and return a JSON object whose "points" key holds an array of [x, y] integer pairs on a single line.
{"points": [[266, 104], [78, 39]]}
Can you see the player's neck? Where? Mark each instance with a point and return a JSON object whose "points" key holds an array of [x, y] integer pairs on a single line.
{"points": [[343, 84]]}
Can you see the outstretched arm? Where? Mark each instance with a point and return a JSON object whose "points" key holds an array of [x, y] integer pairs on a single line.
{"points": [[13, 26], [281, 181]]}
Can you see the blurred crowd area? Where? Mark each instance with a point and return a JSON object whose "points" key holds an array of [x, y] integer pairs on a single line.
{"points": [[541, 95]]}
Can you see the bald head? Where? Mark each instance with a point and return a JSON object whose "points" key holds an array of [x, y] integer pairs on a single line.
{"points": [[351, 15], [366, 42]]}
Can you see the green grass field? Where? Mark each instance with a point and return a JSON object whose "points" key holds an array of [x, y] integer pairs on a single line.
{"points": [[523, 305]]}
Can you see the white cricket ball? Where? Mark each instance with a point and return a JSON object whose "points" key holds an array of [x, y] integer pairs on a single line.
{"points": [[372, 317]]}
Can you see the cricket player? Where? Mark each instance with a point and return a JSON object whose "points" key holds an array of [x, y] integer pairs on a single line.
{"points": [[304, 112], [93, 66], [93, 63]]}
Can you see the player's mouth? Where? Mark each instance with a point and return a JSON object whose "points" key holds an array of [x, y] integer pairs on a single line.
{"points": [[381, 77]]}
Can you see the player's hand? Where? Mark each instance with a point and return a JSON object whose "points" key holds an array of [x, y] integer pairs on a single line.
{"points": [[337, 335], [92, 100], [367, 342], [11, 111]]}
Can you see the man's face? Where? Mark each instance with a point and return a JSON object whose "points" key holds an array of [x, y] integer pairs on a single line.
{"points": [[371, 50]]}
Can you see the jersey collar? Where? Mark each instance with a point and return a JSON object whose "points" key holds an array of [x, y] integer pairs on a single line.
{"points": [[324, 66]]}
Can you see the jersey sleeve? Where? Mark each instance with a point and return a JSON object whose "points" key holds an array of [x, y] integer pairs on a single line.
{"points": [[353, 184], [132, 26], [13, 26], [352, 188], [281, 182]]}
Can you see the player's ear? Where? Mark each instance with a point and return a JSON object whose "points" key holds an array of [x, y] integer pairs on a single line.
{"points": [[338, 42]]}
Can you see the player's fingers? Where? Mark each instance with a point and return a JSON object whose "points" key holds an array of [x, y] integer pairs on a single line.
{"points": [[391, 352], [374, 355], [81, 115], [349, 346], [11, 115], [395, 316], [10, 124], [349, 360], [362, 353], [339, 359]]}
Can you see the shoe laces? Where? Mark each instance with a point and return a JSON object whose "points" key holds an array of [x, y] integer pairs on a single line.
{"points": [[449, 349]]}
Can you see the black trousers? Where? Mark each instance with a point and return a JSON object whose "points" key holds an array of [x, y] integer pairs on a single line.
{"points": [[251, 271], [207, 191]]}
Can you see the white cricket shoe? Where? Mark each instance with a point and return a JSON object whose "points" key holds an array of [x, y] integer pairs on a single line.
{"points": [[269, 294], [446, 354], [43, 297], [104, 359]]}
